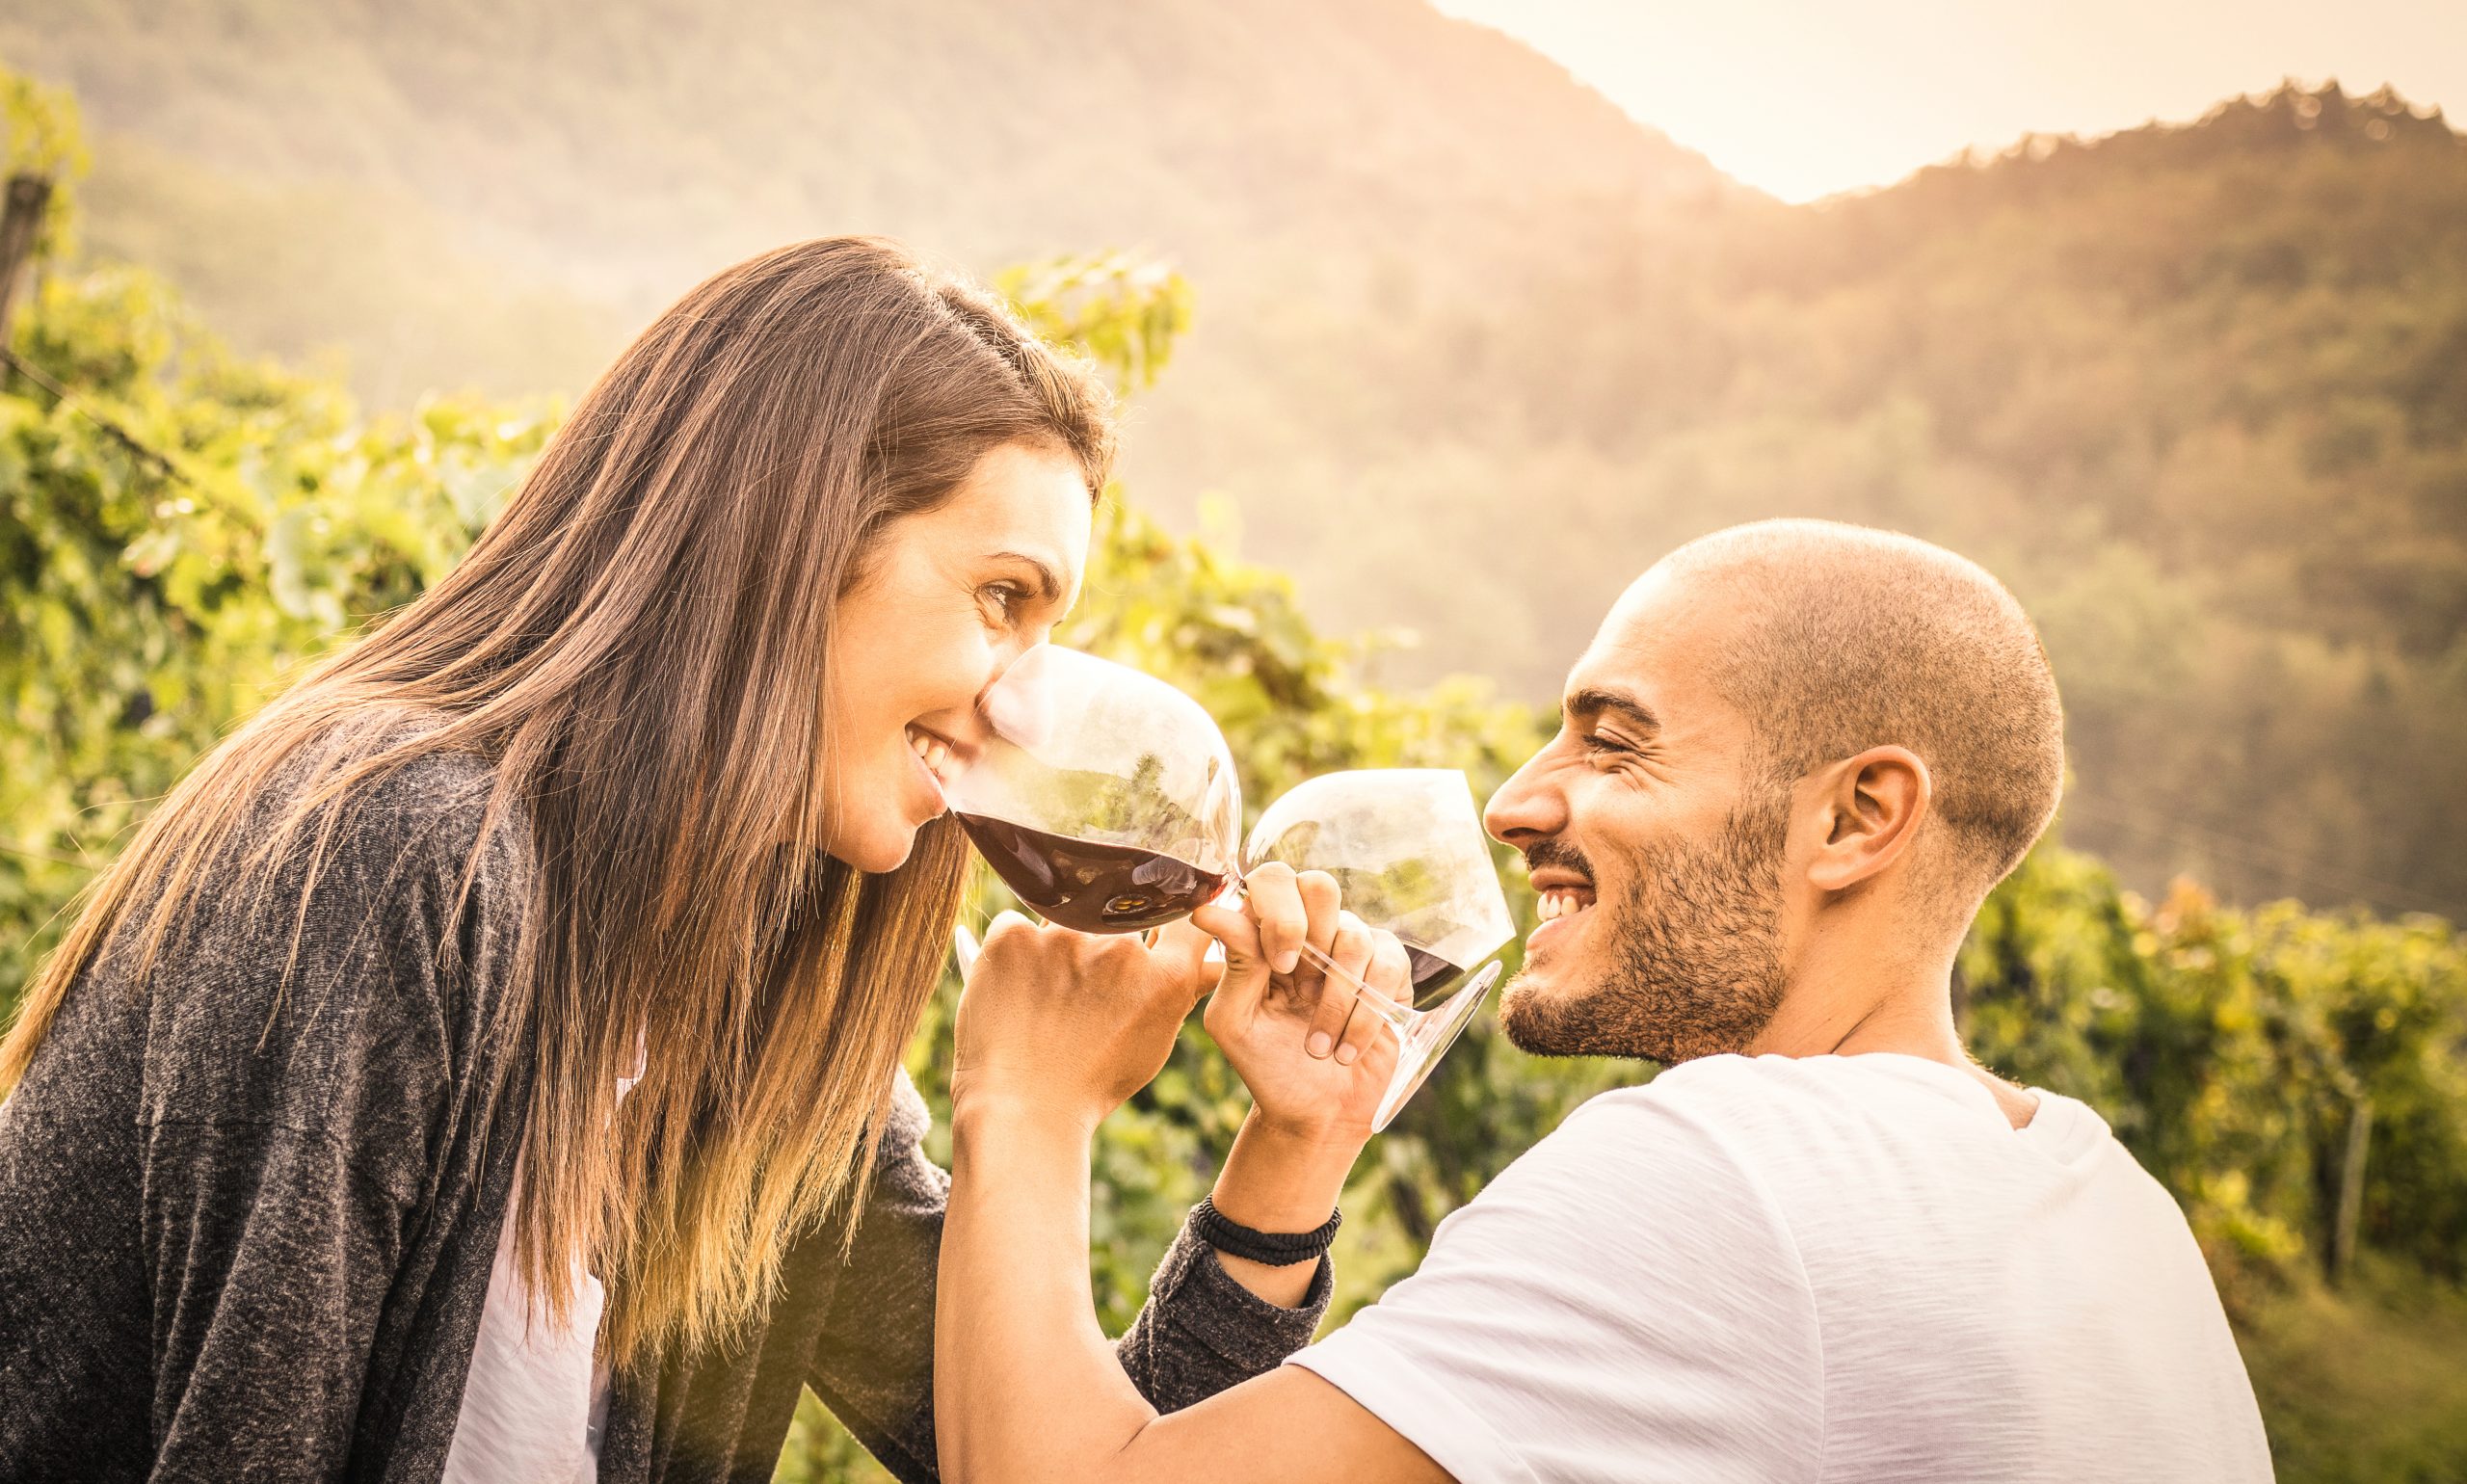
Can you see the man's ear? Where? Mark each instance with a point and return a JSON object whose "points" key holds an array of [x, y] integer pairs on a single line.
{"points": [[1871, 807]]}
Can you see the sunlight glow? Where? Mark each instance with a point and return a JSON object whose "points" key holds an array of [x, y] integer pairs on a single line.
{"points": [[1803, 98]]}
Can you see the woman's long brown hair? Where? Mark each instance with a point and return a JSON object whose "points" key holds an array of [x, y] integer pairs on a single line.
{"points": [[639, 643]]}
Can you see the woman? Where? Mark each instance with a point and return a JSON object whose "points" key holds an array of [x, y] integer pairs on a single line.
{"points": [[315, 1164]]}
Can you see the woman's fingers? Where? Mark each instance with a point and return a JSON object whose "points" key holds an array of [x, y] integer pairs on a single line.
{"points": [[1182, 947], [1005, 926]]}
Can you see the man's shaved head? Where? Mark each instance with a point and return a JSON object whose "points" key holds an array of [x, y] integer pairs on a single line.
{"points": [[1847, 638]]}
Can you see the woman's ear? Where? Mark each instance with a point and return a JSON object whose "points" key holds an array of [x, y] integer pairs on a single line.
{"points": [[1873, 804]]}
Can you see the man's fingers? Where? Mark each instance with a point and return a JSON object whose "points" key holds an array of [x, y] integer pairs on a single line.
{"points": [[1353, 1027], [1275, 904], [1246, 969], [1391, 967], [1323, 902]]}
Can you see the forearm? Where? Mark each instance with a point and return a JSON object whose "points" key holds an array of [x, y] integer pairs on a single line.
{"points": [[1026, 1385], [1280, 1180]]}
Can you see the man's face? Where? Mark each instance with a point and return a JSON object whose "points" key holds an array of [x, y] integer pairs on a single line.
{"points": [[1656, 845]]}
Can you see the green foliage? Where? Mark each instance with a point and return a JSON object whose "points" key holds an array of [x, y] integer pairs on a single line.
{"points": [[1123, 310], [40, 135], [174, 538], [2229, 1051], [2362, 1386]]}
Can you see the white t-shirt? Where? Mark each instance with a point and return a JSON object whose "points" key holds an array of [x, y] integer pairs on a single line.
{"points": [[1836, 1268]]}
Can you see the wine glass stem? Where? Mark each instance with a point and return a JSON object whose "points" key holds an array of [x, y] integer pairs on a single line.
{"points": [[1401, 1019], [1397, 1018]]}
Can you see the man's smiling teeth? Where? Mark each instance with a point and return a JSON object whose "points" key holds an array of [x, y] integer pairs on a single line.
{"points": [[1563, 902], [929, 750]]}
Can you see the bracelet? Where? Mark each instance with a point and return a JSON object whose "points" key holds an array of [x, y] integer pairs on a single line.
{"points": [[1274, 1249]]}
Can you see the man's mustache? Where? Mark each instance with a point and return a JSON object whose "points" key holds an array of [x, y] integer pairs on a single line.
{"points": [[1554, 852]]}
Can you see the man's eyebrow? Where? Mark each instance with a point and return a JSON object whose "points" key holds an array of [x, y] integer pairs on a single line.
{"points": [[1594, 699], [1047, 578]]}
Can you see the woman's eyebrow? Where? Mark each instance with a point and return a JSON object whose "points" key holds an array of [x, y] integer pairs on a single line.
{"points": [[1047, 578]]}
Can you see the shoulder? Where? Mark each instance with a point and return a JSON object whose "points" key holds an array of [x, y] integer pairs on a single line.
{"points": [[363, 960], [385, 835], [424, 808], [1666, 1176], [1622, 1288], [1718, 1110], [1765, 1108]]}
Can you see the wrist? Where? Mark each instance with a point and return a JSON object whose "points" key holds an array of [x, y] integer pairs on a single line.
{"points": [[1282, 1179], [1231, 1239], [982, 1112]]}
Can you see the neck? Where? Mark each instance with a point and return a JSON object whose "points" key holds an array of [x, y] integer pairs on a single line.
{"points": [[1861, 986]]}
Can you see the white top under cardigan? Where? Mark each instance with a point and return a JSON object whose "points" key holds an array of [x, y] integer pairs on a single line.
{"points": [[535, 1400]]}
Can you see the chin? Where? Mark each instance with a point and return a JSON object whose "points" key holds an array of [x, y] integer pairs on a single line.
{"points": [[1523, 995], [1542, 1017], [877, 849]]}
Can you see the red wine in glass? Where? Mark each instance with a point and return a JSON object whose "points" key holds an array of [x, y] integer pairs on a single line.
{"points": [[1429, 971], [1090, 886]]}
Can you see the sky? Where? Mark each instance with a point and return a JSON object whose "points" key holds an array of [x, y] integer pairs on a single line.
{"points": [[1803, 98]]}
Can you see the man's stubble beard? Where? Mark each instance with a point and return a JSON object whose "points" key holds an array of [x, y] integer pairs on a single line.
{"points": [[1694, 944]]}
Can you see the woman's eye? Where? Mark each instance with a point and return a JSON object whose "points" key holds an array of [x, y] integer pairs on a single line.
{"points": [[1006, 597]]}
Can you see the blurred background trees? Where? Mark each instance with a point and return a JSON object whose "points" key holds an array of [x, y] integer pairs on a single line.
{"points": [[2228, 481]]}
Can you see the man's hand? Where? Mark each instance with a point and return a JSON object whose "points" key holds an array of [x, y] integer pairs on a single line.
{"points": [[1316, 1062], [1071, 1024]]}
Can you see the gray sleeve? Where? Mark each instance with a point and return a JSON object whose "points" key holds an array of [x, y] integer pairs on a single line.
{"points": [[285, 1130], [272, 1257], [1200, 1331]]}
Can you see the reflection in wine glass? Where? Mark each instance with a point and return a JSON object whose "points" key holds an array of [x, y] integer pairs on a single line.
{"points": [[1108, 801]]}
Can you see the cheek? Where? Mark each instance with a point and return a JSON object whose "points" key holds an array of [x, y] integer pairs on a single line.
{"points": [[897, 659]]}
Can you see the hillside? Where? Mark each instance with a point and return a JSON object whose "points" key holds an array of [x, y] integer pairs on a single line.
{"points": [[619, 151], [2200, 393], [1472, 346]]}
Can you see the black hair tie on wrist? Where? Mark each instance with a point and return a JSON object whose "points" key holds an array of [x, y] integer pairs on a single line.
{"points": [[1275, 1249]]}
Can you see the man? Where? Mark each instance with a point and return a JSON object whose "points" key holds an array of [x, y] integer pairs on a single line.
{"points": [[1824, 1244]]}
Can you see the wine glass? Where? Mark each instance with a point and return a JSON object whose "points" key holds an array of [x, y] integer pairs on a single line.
{"points": [[1108, 801], [1409, 853], [1106, 798]]}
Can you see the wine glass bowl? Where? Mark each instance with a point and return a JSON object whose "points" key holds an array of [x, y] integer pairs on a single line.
{"points": [[1409, 855], [1104, 797]]}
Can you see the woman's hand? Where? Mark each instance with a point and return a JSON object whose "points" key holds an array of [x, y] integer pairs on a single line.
{"points": [[1317, 1064], [1070, 1022]]}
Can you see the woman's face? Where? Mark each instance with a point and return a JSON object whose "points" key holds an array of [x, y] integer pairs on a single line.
{"points": [[950, 598]]}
